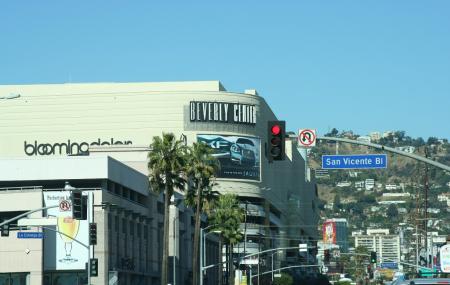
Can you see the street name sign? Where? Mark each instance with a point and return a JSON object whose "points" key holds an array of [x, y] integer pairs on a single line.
{"points": [[30, 235], [363, 161], [37, 222]]}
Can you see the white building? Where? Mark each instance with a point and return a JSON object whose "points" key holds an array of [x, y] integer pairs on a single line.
{"points": [[369, 184], [387, 246], [54, 121]]}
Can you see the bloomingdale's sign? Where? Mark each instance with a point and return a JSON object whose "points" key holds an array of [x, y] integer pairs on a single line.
{"points": [[222, 112], [69, 147]]}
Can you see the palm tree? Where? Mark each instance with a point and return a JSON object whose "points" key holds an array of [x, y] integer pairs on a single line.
{"points": [[167, 160], [227, 217], [200, 170]]}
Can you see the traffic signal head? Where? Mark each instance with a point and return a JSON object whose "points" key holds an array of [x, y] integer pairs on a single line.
{"points": [[4, 230], [326, 255], [92, 233], [373, 257], [276, 135], [77, 205], [94, 266]]}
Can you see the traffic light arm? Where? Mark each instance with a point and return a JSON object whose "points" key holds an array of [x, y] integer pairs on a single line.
{"points": [[26, 214], [389, 149], [75, 240]]}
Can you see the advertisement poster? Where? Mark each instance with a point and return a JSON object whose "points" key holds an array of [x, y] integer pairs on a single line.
{"points": [[445, 258], [329, 232], [239, 157], [60, 251]]}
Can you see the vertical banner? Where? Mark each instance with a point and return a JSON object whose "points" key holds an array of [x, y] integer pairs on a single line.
{"points": [[329, 232], [61, 251]]}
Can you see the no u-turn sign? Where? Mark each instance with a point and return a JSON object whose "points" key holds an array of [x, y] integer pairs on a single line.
{"points": [[307, 137]]}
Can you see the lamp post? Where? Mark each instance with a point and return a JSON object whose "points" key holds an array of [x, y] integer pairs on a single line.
{"points": [[272, 254], [203, 250]]}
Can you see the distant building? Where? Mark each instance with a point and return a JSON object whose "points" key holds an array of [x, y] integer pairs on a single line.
{"points": [[385, 245], [408, 149], [388, 133], [369, 184], [344, 184], [321, 173], [375, 136], [391, 187], [364, 139], [335, 232]]}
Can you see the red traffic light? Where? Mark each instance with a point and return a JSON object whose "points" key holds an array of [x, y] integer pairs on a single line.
{"points": [[276, 129]]}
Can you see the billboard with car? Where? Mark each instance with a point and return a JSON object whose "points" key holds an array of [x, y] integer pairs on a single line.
{"points": [[239, 157]]}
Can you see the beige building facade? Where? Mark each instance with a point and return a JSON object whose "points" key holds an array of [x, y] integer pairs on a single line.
{"points": [[119, 120]]}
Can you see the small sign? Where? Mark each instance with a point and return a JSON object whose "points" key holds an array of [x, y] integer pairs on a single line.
{"points": [[389, 265], [302, 247], [307, 137], [277, 275], [336, 253], [364, 161], [64, 206], [30, 235]]}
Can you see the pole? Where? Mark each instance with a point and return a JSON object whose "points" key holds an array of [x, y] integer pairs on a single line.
{"points": [[90, 218], [417, 250], [272, 267], [26, 214], [174, 253], [201, 257]]}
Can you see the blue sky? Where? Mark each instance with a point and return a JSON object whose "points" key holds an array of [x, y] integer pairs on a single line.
{"points": [[354, 65]]}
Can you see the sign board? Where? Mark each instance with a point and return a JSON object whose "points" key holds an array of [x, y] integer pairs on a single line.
{"points": [[250, 261], [445, 258], [30, 235], [61, 252], [336, 253], [307, 137], [302, 247], [239, 156], [389, 265], [277, 275], [363, 161]]}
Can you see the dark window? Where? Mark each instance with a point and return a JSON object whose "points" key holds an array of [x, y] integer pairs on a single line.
{"points": [[131, 228], [139, 230], [145, 232], [124, 226], [116, 223], [109, 221]]}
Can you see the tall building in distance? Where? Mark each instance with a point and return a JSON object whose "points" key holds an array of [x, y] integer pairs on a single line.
{"points": [[335, 233], [387, 246]]}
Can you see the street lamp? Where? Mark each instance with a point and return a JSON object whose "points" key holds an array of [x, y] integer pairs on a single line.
{"points": [[272, 254], [203, 250]]}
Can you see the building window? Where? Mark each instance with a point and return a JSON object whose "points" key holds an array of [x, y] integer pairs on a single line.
{"points": [[131, 228], [13, 278], [116, 223], [124, 226], [145, 232], [139, 230]]}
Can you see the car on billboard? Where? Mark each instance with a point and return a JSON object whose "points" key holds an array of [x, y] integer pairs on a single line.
{"points": [[238, 156], [242, 152]]}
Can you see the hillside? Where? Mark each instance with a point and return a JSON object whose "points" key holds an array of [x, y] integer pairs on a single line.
{"points": [[384, 197]]}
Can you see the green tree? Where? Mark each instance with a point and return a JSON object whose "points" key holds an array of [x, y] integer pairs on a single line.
{"points": [[392, 212], [200, 170], [227, 217], [167, 160]]}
